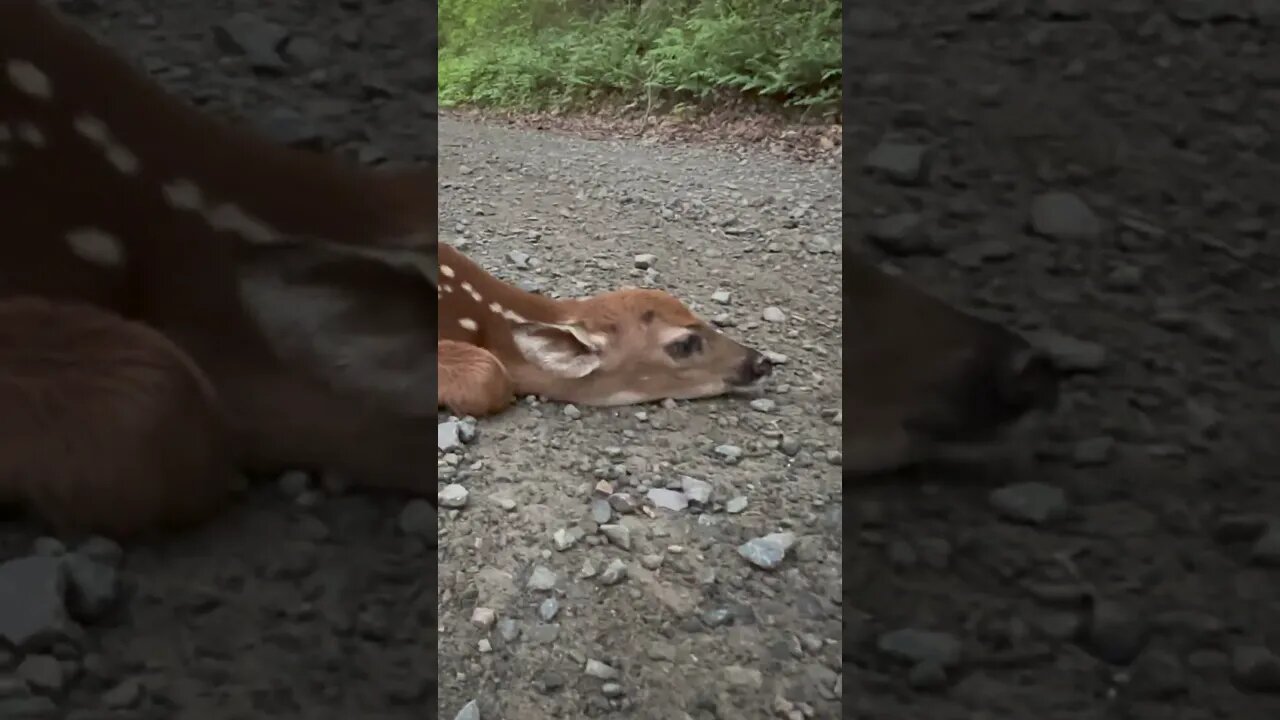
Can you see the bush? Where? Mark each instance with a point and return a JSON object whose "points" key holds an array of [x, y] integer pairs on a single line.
{"points": [[560, 54]]}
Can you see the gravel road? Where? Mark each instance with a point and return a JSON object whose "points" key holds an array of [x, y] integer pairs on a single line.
{"points": [[559, 596], [1134, 574]]}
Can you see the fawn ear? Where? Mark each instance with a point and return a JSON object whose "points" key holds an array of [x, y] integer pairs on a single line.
{"points": [[567, 350], [363, 323]]}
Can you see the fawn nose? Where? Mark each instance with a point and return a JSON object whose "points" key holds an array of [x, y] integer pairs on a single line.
{"points": [[999, 386], [754, 367], [1029, 383]]}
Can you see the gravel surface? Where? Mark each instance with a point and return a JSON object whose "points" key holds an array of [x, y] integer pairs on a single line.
{"points": [[664, 561], [301, 603], [1107, 171]]}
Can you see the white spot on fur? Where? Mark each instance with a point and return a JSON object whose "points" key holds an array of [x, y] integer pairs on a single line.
{"points": [[31, 135], [232, 219], [29, 79], [446, 271], [92, 129], [468, 324], [96, 246], [96, 131], [472, 292], [183, 195], [122, 159], [446, 288], [495, 308], [513, 316]]}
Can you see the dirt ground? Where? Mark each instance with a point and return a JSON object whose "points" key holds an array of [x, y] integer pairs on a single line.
{"points": [[1146, 588]]}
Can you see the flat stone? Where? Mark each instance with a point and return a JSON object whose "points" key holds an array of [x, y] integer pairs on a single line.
{"points": [[470, 711], [256, 38], [123, 696], [698, 491], [769, 551], [899, 162], [448, 436], [921, 646], [901, 234], [452, 495], [1072, 354], [1064, 216], [599, 670], [33, 612], [92, 587], [44, 673], [542, 579], [668, 499], [31, 707], [619, 535], [1030, 502]]}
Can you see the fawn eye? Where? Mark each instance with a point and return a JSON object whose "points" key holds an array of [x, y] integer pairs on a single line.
{"points": [[686, 346]]}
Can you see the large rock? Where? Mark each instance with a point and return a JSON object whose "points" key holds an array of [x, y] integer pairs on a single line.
{"points": [[33, 611]]}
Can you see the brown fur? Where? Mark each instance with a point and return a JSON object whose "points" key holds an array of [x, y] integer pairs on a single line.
{"points": [[105, 425], [613, 346], [922, 379], [472, 380]]}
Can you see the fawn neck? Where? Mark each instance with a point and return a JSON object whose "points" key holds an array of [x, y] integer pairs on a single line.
{"points": [[478, 308], [470, 297]]}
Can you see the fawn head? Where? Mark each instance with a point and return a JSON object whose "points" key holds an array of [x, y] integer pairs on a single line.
{"points": [[633, 346]]}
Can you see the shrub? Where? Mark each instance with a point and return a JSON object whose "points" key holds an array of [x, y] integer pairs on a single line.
{"points": [[558, 54]]}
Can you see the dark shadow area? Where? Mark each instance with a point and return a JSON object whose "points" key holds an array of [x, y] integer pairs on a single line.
{"points": [[307, 598], [1100, 178]]}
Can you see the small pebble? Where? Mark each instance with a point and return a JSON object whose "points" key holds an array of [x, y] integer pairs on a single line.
{"points": [[542, 579], [614, 573], [769, 551], [483, 617], [773, 315], [599, 670], [548, 609], [470, 711], [668, 499], [452, 495], [698, 491]]}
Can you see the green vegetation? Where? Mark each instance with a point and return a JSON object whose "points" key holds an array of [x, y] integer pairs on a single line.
{"points": [[567, 54]]}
